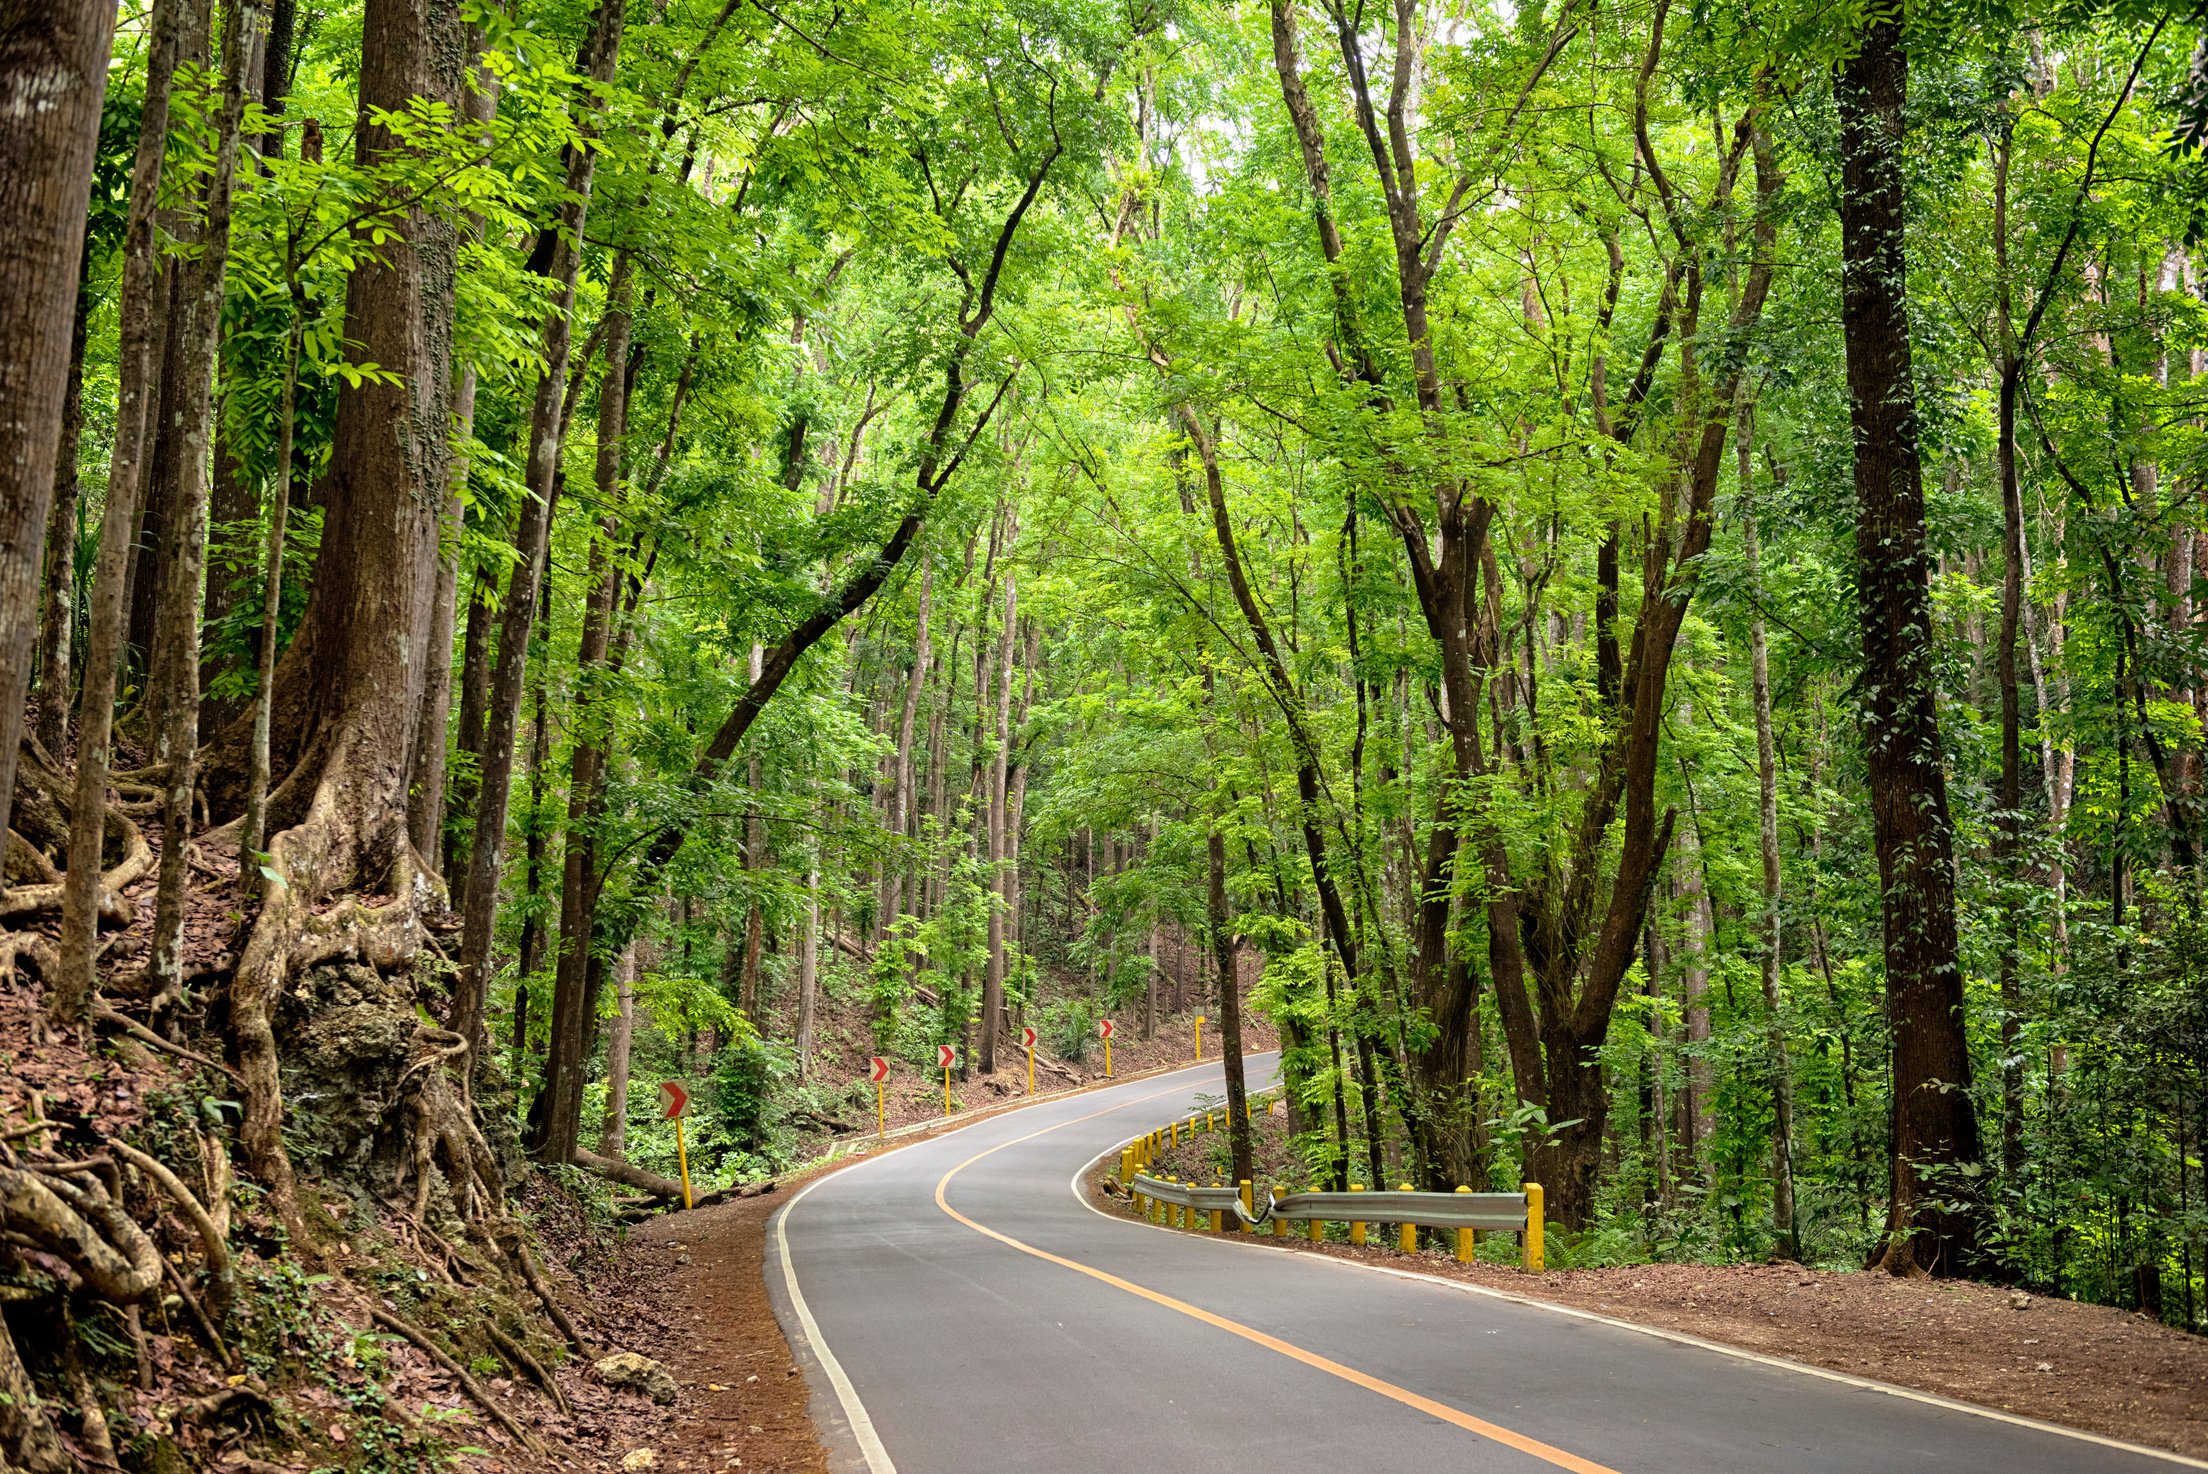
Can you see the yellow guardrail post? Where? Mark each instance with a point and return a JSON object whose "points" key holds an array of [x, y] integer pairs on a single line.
{"points": [[1466, 1241], [1356, 1226], [1407, 1233], [1534, 1222], [1126, 1165], [1280, 1225], [1314, 1230], [1218, 1219], [1249, 1205]]}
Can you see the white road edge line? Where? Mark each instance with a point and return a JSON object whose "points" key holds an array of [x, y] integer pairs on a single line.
{"points": [[1911, 1394], [877, 1457]]}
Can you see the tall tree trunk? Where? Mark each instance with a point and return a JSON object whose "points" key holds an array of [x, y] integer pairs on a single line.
{"points": [[58, 618], [253, 833], [808, 969], [755, 864], [992, 988], [176, 749], [530, 965], [135, 392], [426, 802], [613, 1136], [901, 773], [532, 539], [1220, 929], [353, 676], [574, 996], [1935, 1127], [1784, 1222], [475, 690]]}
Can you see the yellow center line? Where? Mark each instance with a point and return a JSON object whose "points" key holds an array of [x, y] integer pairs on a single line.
{"points": [[1493, 1431]]}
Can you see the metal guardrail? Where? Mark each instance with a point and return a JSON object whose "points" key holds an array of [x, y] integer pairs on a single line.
{"points": [[1190, 1205]]}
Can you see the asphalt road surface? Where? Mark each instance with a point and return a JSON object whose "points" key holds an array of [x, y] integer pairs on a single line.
{"points": [[958, 1308]]}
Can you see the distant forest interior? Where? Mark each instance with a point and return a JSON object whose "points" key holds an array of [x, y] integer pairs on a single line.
{"points": [[1625, 584]]}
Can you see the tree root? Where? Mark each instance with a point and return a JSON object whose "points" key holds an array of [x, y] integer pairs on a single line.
{"points": [[518, 1354], [517, 1249], [83, 1227], [115, 908], [222, 1287], [106, 1013], [199, 1316], [17, 947], [458, 1373]]}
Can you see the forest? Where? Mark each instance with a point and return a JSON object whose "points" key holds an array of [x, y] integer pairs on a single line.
{"points": [[1629, 577]]}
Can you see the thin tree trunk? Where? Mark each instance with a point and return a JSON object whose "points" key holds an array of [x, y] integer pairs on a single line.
{"points": [[200, 325], [901, 776], [1230, 1005], [532, 537], [574, 994], [992, 989], [475, 689], [426, 803], [1783, 1219], [57, 629], [135, 393], [613, 1137], [808, 970], [1935, 1127], [253, 833]]}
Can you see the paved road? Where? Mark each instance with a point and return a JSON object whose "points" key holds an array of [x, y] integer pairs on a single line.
{"points": [[959, 1309]]}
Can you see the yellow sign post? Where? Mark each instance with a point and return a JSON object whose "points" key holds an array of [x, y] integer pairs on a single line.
{"points": [[1027, 1038], [946, 1055], [877, 1070], [1104, 1027], [678, 1100], [682, 1158], [1199, 1038]]}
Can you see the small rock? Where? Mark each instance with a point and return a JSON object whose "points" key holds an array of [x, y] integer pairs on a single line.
{"points": [[627, 1369], [682, 1259], [642, 1458], [2018, 1300]]}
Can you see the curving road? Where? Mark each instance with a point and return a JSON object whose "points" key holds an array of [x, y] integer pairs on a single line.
{"points": [[957, 1307]]}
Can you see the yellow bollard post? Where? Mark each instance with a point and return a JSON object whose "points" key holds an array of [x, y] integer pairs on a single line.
{"points": [[682, 1157], [1174, 1137], [1465, 1241], [1407, 1234], [1356, 1227], [1249, 1205], [1126, 1164], [1218, 1219], [1280, 1225], [1315, 1229], [1534, 1227]]}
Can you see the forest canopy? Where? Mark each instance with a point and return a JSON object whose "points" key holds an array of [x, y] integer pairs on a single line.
{"points": [[1637, 568]]}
